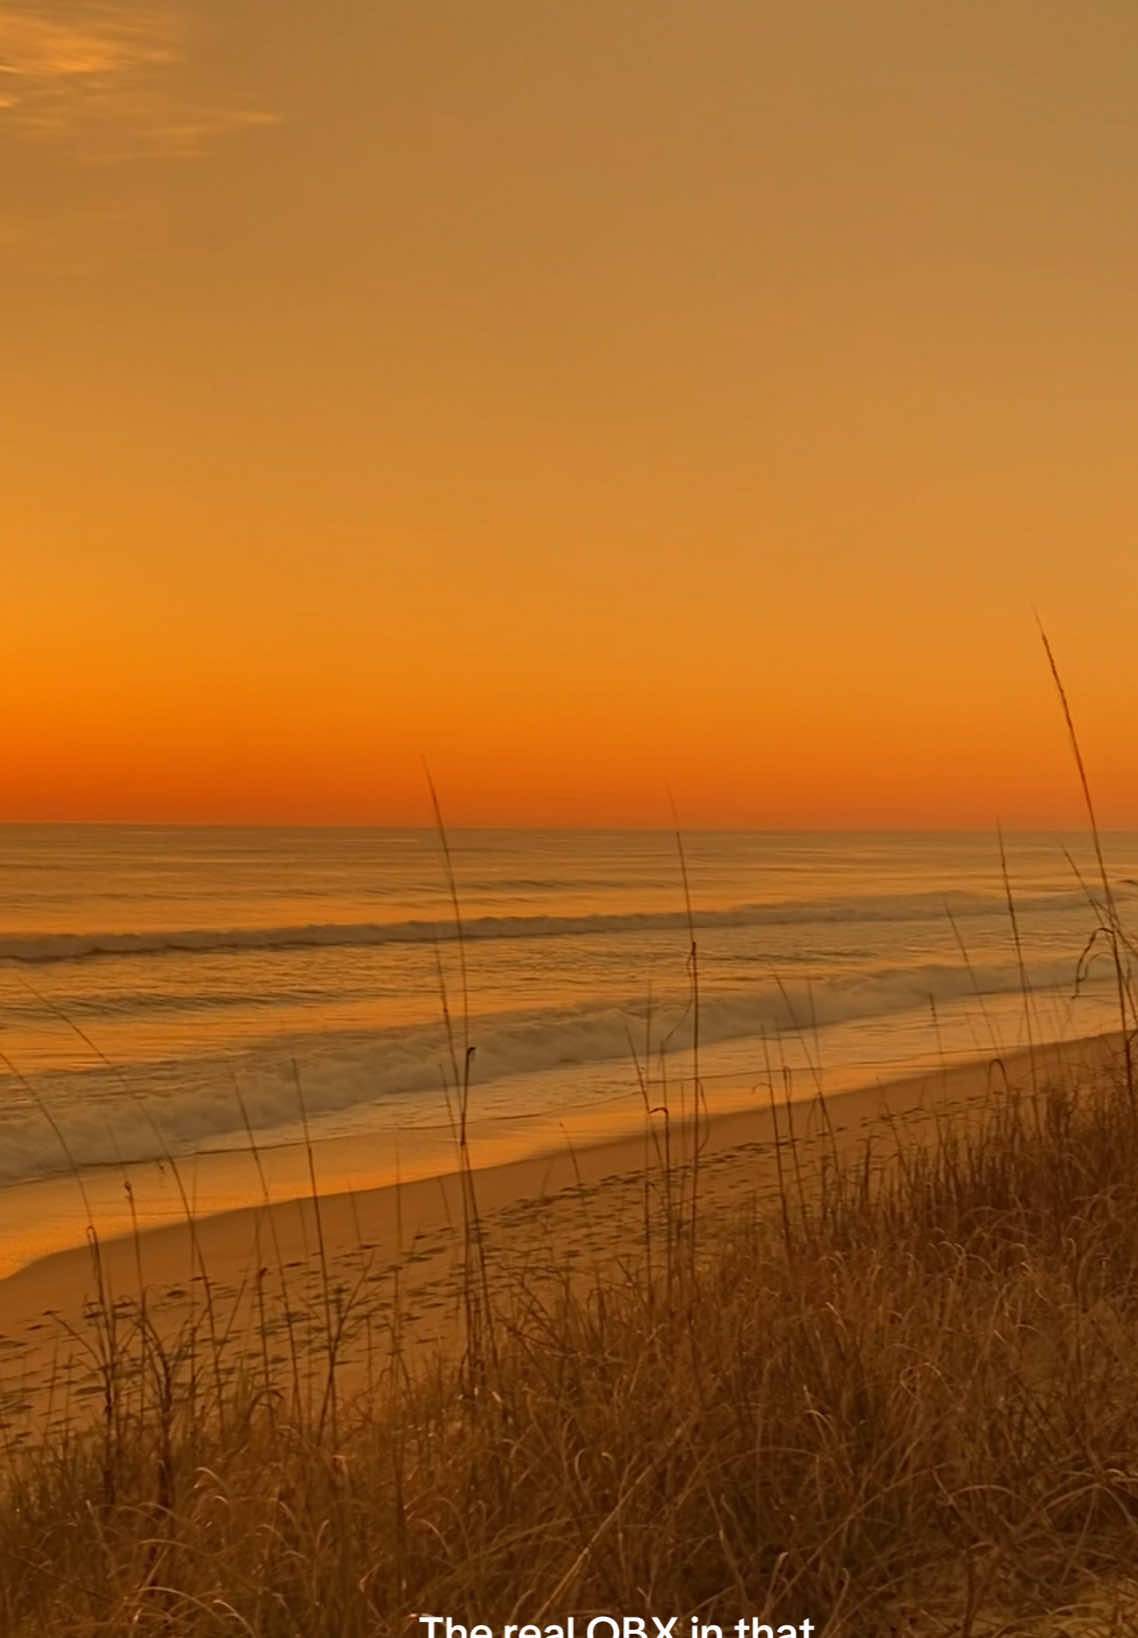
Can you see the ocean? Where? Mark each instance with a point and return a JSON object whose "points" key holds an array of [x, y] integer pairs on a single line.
{"points": [[154, 980]]}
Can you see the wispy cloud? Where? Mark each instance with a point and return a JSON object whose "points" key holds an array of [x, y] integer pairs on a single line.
{"points": [[100, 74], [37, 47]]}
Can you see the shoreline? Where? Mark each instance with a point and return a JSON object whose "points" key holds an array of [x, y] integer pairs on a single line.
{"points": [[392, 1254], [551, 1158], [46, 1216], [381, 1145]]}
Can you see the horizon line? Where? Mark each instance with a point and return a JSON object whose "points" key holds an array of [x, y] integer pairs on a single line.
{"points": [[595, 829]]}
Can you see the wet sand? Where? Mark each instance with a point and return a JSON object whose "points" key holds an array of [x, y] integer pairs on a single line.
{"points": [[388, 1263]]}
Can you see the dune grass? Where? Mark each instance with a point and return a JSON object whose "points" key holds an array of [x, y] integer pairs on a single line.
{"points": [[912, 1398]]}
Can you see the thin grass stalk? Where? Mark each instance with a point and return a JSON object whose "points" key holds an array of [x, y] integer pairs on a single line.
{"points": [[266, 1198], [976, 990], [328, 1406], [699, 1101], [1104, 874], [473, 1235], [1024, 981]]}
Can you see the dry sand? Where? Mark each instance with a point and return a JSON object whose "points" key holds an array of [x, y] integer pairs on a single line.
{"points": [[394, 1255]]}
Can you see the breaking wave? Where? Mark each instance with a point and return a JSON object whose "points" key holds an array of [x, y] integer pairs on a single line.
{"points": [[390, 1077]]}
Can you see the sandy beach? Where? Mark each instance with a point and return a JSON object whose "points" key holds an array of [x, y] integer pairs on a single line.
{"points": [[393, 1255]]}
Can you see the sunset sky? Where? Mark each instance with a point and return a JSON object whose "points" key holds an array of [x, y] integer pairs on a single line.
{"points": [[588, 398]]}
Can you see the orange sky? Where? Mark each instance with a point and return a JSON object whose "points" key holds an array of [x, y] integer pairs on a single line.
{"points": [[586, 398]]}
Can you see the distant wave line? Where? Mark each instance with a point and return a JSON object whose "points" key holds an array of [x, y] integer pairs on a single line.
{"points": [[40, 948]]}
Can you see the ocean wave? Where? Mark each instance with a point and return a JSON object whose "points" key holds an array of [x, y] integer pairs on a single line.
{"points": [[42, 948], [394, 1076]]}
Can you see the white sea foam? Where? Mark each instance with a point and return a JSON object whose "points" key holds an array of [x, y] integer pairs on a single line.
{"points": [[398, 1074]]}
